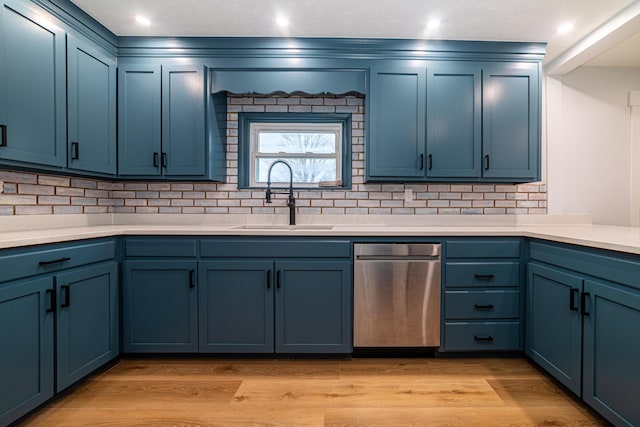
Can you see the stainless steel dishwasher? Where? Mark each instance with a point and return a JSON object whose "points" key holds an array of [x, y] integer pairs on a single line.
{"points": [[397, 295]]}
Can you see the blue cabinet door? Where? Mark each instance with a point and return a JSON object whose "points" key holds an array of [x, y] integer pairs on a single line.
{"points": [[160, 305], [26, 354], [183, 120], [91, 89], [139, 120], [611, 347], [236, 306], [397, 111], [87, 321], [554, 323], [313, 307], [33, 118], [454, 120], [511, 121]]}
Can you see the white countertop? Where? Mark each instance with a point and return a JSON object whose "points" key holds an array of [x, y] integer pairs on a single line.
{"points": [[26, 232]]}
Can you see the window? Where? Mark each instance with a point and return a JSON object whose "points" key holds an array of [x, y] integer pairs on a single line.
{"points": [[316, 146]]}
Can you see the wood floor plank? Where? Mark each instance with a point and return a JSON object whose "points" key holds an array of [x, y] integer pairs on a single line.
{"points": [[459, 417], [530, 392], [172, 368], [366, 393], [105, 393]]}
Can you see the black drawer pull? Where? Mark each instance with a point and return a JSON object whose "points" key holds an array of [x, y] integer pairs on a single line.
{"points": [[421, 161], [572, 299], [55, 261], [487, 338], [192, 281], [156, 160], [483, 307], [486, 162], [583, 303], [3, 135], [268, 279], [430, 161], [278, 279], [484, 276], [75, 151], [67, 296], [52, 301]]}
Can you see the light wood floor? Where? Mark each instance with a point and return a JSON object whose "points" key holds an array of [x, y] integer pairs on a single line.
{"points": [[356, 392]]}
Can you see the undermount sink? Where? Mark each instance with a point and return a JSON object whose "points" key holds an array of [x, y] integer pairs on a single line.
{"points": [[282, 227]]}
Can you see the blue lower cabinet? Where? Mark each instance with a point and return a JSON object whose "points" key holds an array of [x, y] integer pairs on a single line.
{"points": [[309, 300], [160, 303], [554, 323], [611, 382], [313, 307], [236, 306], [87, 321], [26, 355]]}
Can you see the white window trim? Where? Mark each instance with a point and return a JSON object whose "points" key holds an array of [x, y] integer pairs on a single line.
{"points": [[255, 128]]}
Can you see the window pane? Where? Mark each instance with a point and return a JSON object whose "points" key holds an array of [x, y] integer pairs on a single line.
{"points": [[296, 142], [304, 170]]}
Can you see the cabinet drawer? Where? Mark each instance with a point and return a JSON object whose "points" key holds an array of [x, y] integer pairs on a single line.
{"points": [[44, 259], [485, 336], [483, 248], [484, 274], [275, 248], [174, 248], [500, 304]]}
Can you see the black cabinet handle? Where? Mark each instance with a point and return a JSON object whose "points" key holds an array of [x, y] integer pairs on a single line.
{"points": [[268, 279], [192, 281], [483, 307], [3, 135], [164, 160], [430, 158], [421, 161], [484, 276], [486, 162], [583, 303], [67, 296], [572, 299], [278, 279], [52, 301], [54, 261], [156, 160], [487, 338], [75, 151]]}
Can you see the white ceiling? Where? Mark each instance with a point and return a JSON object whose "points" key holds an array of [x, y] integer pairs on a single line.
{"points": [[503, 20]]}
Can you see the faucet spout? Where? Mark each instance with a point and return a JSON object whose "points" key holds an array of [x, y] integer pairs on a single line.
{"points": [[291, 203]]}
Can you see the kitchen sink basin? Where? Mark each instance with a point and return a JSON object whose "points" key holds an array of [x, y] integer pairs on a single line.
{"points": [[282, 227]]}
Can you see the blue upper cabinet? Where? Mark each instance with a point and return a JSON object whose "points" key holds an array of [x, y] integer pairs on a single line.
{"points": [[91, 92], [139, 120], [32, 87], [397, 106], [161, 119], [183, 120], [454, 120], [511, 121]]}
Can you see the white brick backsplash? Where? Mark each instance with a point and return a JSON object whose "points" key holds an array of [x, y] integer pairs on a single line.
{"points": [[29, 193]]}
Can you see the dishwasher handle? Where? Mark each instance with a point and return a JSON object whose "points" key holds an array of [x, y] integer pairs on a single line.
{"points": [[399, 258]]}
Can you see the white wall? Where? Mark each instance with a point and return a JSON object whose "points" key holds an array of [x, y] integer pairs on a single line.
{"points": [[588, 143]]}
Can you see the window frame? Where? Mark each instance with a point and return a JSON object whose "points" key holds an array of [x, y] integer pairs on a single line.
{"points": [[246, 155]]}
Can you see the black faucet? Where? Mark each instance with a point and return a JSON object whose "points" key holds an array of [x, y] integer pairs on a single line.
{"points": [[291, 203]]}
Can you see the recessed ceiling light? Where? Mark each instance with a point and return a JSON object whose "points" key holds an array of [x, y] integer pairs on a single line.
{"points": [[565, 28], [282, 21], [143, 20], [433, 24]]}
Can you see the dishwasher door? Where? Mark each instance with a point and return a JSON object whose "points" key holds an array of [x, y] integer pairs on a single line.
{"points": [[397, 295]]}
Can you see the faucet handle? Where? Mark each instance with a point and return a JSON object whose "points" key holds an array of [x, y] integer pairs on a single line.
{"points": [[268, 195]]}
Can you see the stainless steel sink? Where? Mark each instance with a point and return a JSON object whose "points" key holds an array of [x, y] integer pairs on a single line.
{"points": [[282, 227]]}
